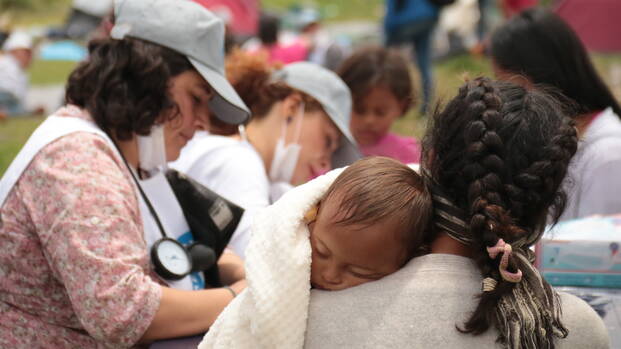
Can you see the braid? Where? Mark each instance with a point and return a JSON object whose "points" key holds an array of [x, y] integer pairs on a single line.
{"points": [[483, 172], [542, 175], [484, 176], [500, 154]]}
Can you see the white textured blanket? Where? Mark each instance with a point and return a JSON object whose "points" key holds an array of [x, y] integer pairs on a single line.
{"points": [[271, 313]]}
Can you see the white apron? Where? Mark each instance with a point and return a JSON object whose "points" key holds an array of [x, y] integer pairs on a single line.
{"points": [[156, 188]]}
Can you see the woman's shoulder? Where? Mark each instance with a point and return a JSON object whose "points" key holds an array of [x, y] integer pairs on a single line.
{"points": [[78, 149], [586, 328]]}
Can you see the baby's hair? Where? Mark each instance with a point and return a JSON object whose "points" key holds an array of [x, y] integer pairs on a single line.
{"points": [[375, 66], [375, 189]]}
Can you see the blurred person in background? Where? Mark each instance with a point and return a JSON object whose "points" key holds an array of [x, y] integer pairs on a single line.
{"points": [[241, 17], [271, 42], [15, 60], [413, 22], [299, 129], [324, 48], [84, 19], [382, 91], [538, 47]]}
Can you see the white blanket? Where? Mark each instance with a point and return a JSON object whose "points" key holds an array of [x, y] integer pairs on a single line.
{"points": [[271, 313]]}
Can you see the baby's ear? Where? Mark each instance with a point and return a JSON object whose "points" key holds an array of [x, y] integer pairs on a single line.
{"points": [[311, 215]]}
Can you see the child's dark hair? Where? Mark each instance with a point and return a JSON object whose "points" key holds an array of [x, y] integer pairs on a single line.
{"points": [[541, 46], [499, 154], [373, 66], [377, 188]]}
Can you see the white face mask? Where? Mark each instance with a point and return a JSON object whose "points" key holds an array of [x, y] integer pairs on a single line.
{"points": [[152, 150], [286, 156]]}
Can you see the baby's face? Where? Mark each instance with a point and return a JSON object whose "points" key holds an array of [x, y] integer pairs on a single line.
{"points": [[344, 256]]}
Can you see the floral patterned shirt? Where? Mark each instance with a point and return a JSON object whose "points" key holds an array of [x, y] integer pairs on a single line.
{"points": [[74, 267]]}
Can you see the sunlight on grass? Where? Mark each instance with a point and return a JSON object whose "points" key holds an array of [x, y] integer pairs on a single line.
{"points": [[449, 74], [334, 10], [13, 134], [50, 72], [53, 14]]}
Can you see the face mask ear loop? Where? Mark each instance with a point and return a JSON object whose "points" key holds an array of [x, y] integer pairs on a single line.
{"points": [[298, 127], [242, 133]]}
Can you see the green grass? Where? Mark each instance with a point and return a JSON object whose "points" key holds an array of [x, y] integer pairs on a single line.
{"points": [[13, 134], [50, 72], [449, 74], [42, 13], [45, 13], [334, 10]]}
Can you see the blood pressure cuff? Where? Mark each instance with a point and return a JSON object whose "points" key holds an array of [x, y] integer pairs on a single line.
{"points": [[212, 219]]}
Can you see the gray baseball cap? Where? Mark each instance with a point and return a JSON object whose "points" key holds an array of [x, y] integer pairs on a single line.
{"points": [[333, 95], [190, 29]]}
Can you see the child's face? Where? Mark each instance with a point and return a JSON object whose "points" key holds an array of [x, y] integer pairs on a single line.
{"points": [[372, 117], [344, 256]]}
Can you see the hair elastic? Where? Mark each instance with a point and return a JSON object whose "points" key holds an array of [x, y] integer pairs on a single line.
{"points": [[506, 250], [489, 284]]}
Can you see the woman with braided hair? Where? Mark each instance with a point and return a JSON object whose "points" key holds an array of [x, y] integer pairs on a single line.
{"points": [[494, 158]]}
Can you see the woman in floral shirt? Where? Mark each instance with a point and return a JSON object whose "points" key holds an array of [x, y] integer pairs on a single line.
{"points": [[74, 266]]}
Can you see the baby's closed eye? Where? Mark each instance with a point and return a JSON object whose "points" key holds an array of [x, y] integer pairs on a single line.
{"points": [[365, 274]]}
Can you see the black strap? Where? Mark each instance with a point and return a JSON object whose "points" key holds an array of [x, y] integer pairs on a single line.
{"points": [[144, 196]]}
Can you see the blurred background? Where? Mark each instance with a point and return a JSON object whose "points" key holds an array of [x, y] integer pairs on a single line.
{"points": [[61, 29]]}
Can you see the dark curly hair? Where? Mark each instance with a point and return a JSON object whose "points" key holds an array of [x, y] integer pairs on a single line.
{"points": [[499, 153], [124, 85]]}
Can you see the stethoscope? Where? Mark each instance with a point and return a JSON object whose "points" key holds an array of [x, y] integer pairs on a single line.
{"points": [[171, 259]]}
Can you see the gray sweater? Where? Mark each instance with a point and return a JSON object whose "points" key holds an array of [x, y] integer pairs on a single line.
{"points": [[419, 307]]}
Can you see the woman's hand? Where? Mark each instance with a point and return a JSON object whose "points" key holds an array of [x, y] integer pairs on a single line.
{"points": [[231, 268]]}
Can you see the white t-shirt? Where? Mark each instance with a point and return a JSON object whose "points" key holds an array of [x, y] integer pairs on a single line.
{"points": [[594, 177], [231, 168]]}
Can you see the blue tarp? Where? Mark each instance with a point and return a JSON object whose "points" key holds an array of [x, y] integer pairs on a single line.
{"points": [[63, 51]]}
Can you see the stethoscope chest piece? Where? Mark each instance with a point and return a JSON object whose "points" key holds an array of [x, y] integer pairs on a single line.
{"points": [[170, 259]]}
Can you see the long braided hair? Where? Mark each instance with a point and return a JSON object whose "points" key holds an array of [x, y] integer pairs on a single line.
{"points": [[495, 158]]}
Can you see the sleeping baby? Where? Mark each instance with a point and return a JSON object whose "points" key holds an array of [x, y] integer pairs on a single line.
{"points": [[337, 231], [369, 223]]}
